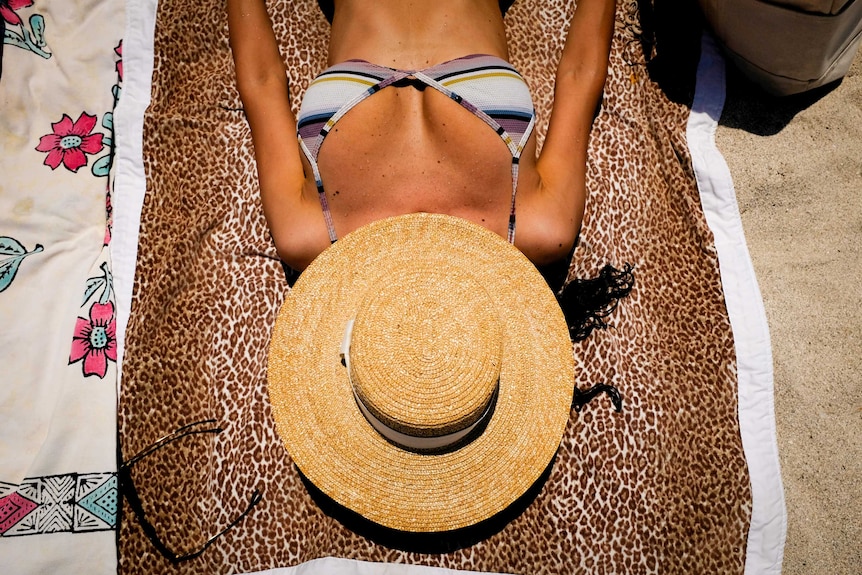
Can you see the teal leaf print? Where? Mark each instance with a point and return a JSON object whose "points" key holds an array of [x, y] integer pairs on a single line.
{"points": [[11, 246], [14, 38], [93, 285], [9, 266], [102, 166], [105, 282], [32, 40], [37, 25]]}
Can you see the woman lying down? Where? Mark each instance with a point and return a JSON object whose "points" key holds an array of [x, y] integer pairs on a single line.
{"points": [[420, 111], [410, 195]]}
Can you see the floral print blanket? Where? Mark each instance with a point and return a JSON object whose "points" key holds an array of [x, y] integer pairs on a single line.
{"points": [[60, 79]]}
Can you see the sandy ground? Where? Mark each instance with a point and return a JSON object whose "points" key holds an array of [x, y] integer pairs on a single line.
{"points": [[797, 169]]}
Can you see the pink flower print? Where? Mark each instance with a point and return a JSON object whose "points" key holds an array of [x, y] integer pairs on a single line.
{"points": [[8, 7], [119, 52], [70, 142], [95, 340]]}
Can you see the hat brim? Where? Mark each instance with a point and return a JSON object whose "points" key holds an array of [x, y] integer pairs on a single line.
{"points": [[337, 449]]}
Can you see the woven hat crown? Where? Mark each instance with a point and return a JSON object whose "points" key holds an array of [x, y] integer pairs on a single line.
{"points": [[426, 351]]}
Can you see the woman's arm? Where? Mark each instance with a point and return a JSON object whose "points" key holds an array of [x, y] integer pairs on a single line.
{"points": [[262, 84], [557, 209]]}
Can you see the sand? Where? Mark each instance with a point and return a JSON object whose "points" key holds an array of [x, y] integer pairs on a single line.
{"points": [[797, 168]]}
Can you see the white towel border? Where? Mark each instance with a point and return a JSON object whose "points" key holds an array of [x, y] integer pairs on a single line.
{"points": [[766, 536]]}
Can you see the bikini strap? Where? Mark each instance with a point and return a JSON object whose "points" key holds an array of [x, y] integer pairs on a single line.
{"points": [[510, 236], [515, 147], [325, 130]]}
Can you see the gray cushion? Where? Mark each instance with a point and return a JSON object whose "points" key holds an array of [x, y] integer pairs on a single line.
{"points": [[784, 49]]}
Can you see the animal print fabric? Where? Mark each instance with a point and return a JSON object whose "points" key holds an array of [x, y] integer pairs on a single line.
{"points": [[660, 488]]}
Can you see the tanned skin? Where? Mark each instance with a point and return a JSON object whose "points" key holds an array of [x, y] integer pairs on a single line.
{"points": [[404, 150]]}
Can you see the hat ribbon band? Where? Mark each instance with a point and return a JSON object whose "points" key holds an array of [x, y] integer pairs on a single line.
{"points": [[410, 442]]}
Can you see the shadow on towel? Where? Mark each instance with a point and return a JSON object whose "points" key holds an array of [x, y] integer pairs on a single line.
{"points": [[433, 543]]}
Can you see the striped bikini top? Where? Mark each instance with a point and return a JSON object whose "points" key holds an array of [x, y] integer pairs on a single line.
{"points": [[488, 86]]}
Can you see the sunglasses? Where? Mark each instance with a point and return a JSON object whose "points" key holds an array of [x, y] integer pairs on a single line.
{"points": [[128, 490]]}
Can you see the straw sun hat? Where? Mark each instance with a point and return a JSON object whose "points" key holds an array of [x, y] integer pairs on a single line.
{"points": [[421, 373]]}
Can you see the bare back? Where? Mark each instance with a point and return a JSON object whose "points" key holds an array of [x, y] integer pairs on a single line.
{"points": [[409, 147], [408, 150]]}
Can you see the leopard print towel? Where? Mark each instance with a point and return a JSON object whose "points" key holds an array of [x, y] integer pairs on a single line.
{"points": [[660, 488]]}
